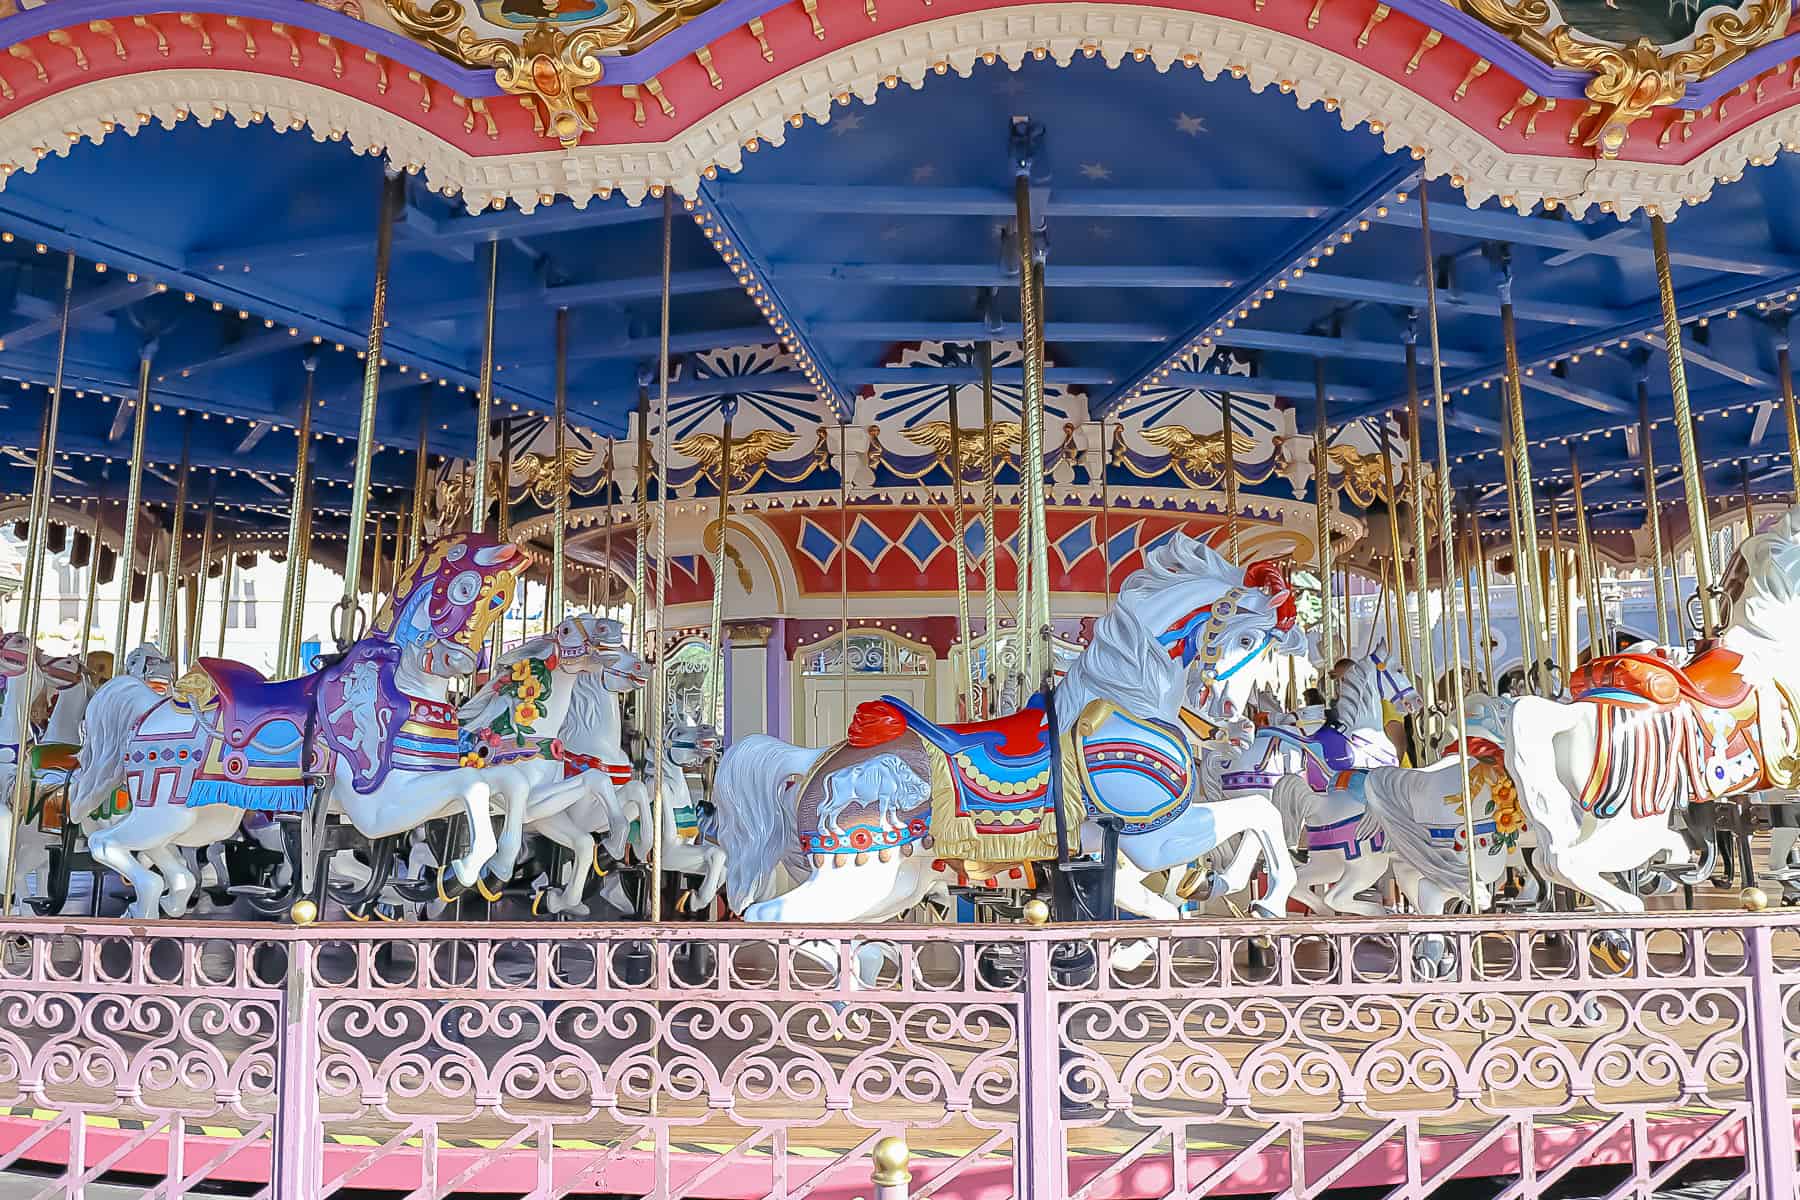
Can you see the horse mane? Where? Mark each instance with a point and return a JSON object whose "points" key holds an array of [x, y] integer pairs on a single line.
{"points": [[1124, 662], [1765, 570], [588, 704], [1359, 696]]}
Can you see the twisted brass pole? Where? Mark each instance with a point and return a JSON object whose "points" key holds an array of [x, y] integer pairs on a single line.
{"points": [[960, 530], [1526, 581], [1448, 543], [1034, 617], [170, 630], [415, 530], [658, 725], [293, 597], [1393, 578], [1229, 430], [1784, 367], [1322, 505], [1415, 469], [990, 554], [134, 500], [559, 562], [715, 672], [1665, 632], [393, 195], [1596, 613], [484, 398], [42, 482], [1692, 484]]}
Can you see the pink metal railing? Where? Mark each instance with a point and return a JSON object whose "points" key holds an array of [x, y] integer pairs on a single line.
{"points": [[1129, 1060]]}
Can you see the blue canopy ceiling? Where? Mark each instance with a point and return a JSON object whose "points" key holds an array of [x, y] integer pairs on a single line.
{"points": [[1174, 211]]}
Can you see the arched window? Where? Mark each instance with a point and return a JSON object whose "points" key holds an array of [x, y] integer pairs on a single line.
{"points": [[870, 654]]}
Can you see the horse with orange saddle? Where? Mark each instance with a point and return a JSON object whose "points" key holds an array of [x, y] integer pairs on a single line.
{"points": [[1601, 776]]}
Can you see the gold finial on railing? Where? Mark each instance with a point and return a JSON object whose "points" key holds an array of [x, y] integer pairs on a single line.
{"points": [[304, 912], [1754, 899], [1036, 912], [890, 1176]]}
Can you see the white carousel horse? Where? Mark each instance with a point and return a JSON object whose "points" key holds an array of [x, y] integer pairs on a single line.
{"points": [[376, 723], [518, 724], [1297, 769], [1600, 777], [688, 846], [1118, 705], [62, 677]]}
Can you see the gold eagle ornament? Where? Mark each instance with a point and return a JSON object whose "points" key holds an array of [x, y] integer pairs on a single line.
{"points": [[539, 472], [1199, 457], [973, 444], [750, 452]]}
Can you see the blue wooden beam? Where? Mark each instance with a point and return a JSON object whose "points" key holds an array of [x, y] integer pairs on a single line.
{"points": [[1706, 362], [1372, 190], [1587, 398], [990, 275], [850, 200]]}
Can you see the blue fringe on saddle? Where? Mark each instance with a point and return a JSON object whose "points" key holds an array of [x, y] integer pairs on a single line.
{"points": [[265, 797]]}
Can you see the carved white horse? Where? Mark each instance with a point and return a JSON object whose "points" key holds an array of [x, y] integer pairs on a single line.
{"points": [[66, 676], [1319, 814], [689, 846], [1186, 604], [246, 749], [520, 722], [1600, 777]]}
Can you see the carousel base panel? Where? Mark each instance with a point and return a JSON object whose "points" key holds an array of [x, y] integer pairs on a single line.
{"points": [[39, 1142], [733, 1062]]}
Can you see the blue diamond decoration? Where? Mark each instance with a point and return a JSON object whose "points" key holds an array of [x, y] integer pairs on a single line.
{"points": [[1121, 544], [975, 538], [1159, 539], [817, 544], [868, 542], [921, 541], [1071, 546]]}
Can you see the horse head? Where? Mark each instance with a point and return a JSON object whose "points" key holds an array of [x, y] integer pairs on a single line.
{"points": [[15, 651], [63, 671], [623, 671], [692, 741], [1395, 687], [581, 635], [152, 666], [1760, 586], [445, 603]]}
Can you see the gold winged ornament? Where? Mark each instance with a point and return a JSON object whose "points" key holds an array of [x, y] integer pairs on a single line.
{"points": [[975, 452], [1199, 457], [1360, 475], [540, 475], [750, 452]]}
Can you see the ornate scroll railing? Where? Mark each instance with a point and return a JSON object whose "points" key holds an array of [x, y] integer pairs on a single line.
{"points": [[736, 1062]]}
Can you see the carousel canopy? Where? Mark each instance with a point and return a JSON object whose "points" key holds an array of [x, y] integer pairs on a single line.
{"points": [[1233, 226]]}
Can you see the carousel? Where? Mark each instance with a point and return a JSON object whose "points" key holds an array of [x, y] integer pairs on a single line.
{"points": [[602, 600]]}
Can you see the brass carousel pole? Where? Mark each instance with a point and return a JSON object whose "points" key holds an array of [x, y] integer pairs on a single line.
{"points": [[1034, 621], [93, 590], [990, 553], [1470, 549], [1481, 594], [134, 499], [606, 492], [1448, 543], [171, 623], [1693, 486], [961, 537], [1393, 580], [1322, 504], [1556, 587], [715, 672], [415, 530], [659, 682], [151, 574], [1784, 367], [843, 552], [640, 569], [1228, 429], [42, 480], [559, 561], [1665, 634], [206, 554], [1596, 613], [1415, 458], [375, 565], [1749, 504], [226, 578], [393, 195], [293, 593], [484, 399], [1520, 498]]}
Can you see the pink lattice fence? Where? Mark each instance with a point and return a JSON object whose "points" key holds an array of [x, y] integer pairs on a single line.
{"points": [[747, 1063]]}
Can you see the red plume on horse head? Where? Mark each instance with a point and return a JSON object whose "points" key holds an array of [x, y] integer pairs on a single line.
{"points": [[1269, 575]]}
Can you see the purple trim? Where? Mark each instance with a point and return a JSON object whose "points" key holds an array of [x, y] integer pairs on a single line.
{"points": [[677, 44], [1777, 52], [298, 13], [778, 722]]}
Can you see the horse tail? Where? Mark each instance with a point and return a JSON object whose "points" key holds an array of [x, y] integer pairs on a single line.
{"points": [[1295, 800], [112, 716], [1388, 810], [757, 822]]}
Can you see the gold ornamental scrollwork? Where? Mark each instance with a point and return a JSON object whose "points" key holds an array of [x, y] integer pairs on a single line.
{"points": [[1632, 81], [547, 66]]}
